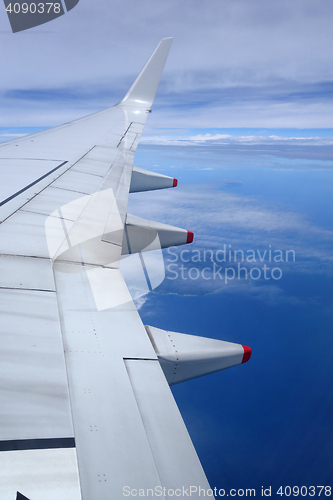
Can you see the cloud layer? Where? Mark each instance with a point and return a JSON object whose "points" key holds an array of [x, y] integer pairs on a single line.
{"points": [[223, 221], [226, 139], [233, 63]]}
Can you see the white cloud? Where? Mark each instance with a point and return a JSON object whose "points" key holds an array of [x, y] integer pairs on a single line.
{"points": [[221, 218], [289, 113], [245, 223], [140, 302], [255, 39], [207, 207], [93, 54], [10, 136], [202, 139]]}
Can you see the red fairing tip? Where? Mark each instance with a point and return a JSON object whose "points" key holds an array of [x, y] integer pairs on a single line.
{"points": [[175, 183], [247, 353], [190, 236]]}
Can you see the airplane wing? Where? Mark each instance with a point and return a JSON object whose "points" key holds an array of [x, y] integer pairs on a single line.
{"points": [[86, 410]]}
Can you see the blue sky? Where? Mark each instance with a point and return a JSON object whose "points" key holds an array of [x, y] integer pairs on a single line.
{"points": [[244, 119]]}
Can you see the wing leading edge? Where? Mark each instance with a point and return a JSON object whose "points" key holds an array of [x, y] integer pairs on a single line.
{"points": [[86, 408]]}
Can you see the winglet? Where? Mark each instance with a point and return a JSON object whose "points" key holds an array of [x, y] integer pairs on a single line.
{"points": [[142, 92]]}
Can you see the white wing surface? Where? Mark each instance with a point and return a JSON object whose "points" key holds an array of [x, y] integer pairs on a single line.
{"points": [[86, 411]]}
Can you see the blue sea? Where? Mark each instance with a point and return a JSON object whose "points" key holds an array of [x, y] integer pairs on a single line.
{"points": [[266, 423]]}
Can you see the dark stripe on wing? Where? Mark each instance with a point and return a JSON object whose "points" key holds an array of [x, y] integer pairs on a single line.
{"points": [[37, 444], [32, 184]]}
